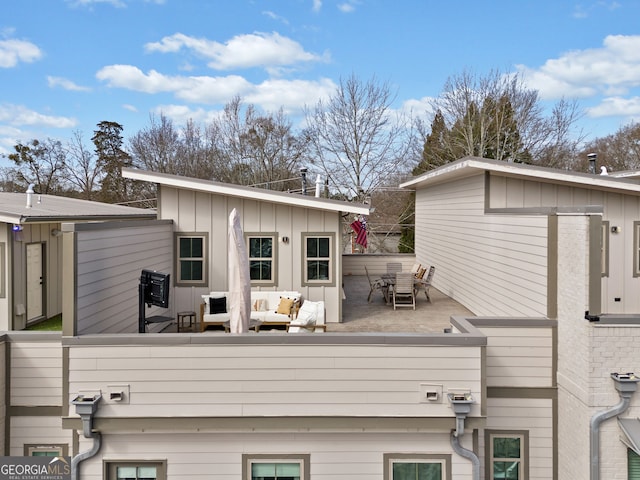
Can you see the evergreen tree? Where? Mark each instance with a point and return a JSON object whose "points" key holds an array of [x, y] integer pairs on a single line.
{"points": [[111, 158]]}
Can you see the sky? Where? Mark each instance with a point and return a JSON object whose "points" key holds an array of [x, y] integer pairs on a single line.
{"points": [[66, 65]]}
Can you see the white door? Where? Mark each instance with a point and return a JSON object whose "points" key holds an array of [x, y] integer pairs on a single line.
{"points": [[35, 281]]}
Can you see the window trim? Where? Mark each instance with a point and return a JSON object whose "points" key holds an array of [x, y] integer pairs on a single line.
{"points": [[29, 448], [636, 248], [178, 282], [274, 257], [604, 248], [303, 458], [3, 269], [489, 435], [332, 259], [390, 458], [109, 467]]}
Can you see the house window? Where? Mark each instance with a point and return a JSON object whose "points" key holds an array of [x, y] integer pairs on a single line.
{"points": [[132, 470], [319, 259], [633, 465], [507, 455], [274, 467], [262, 258], [417, 467], [46, 450], [636, 249], [191, 259], [604, 249]]}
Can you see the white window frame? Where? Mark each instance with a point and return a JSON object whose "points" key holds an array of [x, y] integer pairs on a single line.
{"points": [[521, 435], [273, 236], [303, 459], [390, 459], [110, 467], [179, 281], [331, 259]]}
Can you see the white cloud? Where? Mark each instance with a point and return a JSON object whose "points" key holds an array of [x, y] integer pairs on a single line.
{"points": [[242, 51], [616, 106], [131, 108], [180, 114], [317, 5], [19, 115], [89, 3], [275, 16], [583, 73], [291, 95], [66, 84], [13, 51], [348, 6]]}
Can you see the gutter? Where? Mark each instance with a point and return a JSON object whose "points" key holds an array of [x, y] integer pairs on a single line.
{"points": [[626, 386], [86, 408], [461, 405]]}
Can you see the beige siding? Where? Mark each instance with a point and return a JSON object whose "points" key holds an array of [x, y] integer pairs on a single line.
{"points": [[519, 357], [619, 210], [36, 372], [109, 262], [3, 386], [274, 380], [218, 456], [203, 212], [38, 430], [479, 257], [375, 263], [533, 415]]}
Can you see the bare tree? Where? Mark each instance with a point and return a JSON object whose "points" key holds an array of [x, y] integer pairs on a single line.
{"points": [[41, 164], [82, 170], [356, 138], [619, 151]]}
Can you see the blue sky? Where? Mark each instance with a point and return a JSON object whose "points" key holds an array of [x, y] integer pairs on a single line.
{"points": [[66, 65]]}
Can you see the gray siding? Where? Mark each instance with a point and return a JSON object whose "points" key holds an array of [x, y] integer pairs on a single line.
{"points": [[109, 260], [495, 265]]}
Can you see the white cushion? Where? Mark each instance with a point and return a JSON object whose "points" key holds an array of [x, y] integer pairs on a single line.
{"points": [[308, 313]]}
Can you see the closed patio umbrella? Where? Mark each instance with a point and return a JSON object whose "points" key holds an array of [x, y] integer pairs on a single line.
{"points": [[239, 280]]}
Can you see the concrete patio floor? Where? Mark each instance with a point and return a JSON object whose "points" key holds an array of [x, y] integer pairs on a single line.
{"points": [[362, 316]]}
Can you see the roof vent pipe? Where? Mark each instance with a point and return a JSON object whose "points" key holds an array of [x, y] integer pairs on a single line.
{"points": [[461, 405], [303, 175], [30, 193], [625, 384], [592, 162]]}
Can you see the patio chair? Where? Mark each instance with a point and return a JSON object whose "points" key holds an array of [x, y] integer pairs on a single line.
{"points": [[404, 294], [374, 285], [425, 283], [394, 267], [416, 268]]}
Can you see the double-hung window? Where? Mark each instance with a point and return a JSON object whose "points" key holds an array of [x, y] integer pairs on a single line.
{"points": [[191, 259], [275, 467], [133, 470], [262, 250], [417, 467], [319, 259], [507, 454]]}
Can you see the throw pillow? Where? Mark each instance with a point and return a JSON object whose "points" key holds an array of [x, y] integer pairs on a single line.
{"points": [[284, 307], [218, 305], [262, 305]]}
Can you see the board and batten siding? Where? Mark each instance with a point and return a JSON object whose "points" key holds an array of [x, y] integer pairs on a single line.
{"points": [[238, 380], [495, 265], [209, 213], [619, 287], [218, 456], [109, 260]]}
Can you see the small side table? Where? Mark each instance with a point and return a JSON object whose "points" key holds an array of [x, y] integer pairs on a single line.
{"points": [[183, 316]]}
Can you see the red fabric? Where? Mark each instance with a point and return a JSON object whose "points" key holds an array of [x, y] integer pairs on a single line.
{"points": [[361, 233]]}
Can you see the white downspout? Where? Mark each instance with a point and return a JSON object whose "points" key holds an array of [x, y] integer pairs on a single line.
{"points": [[461, 407], [625, 385]]}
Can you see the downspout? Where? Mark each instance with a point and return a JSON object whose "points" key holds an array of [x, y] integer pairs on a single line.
{"points": [[86, 407], [625, 385], [461, 405]]}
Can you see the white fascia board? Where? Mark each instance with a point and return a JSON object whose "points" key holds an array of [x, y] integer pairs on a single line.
{"points": [[241, 191]]}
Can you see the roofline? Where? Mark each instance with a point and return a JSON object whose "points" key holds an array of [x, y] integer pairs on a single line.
{"points": [[25, 219], [242, 191], [470, 165]]}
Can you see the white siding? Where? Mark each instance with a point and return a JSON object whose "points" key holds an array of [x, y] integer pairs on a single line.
{"points": [[532, 415], [495, 265], [109, 262], [38, 430], [376, 263], [274, 379], [218, 456], [519, 357], [36, 373]]}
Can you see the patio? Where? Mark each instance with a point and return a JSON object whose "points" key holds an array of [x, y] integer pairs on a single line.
{"points": [[361, 316]]}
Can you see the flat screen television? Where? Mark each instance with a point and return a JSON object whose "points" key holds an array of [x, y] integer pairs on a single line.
{"points": [[156, 288]]}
